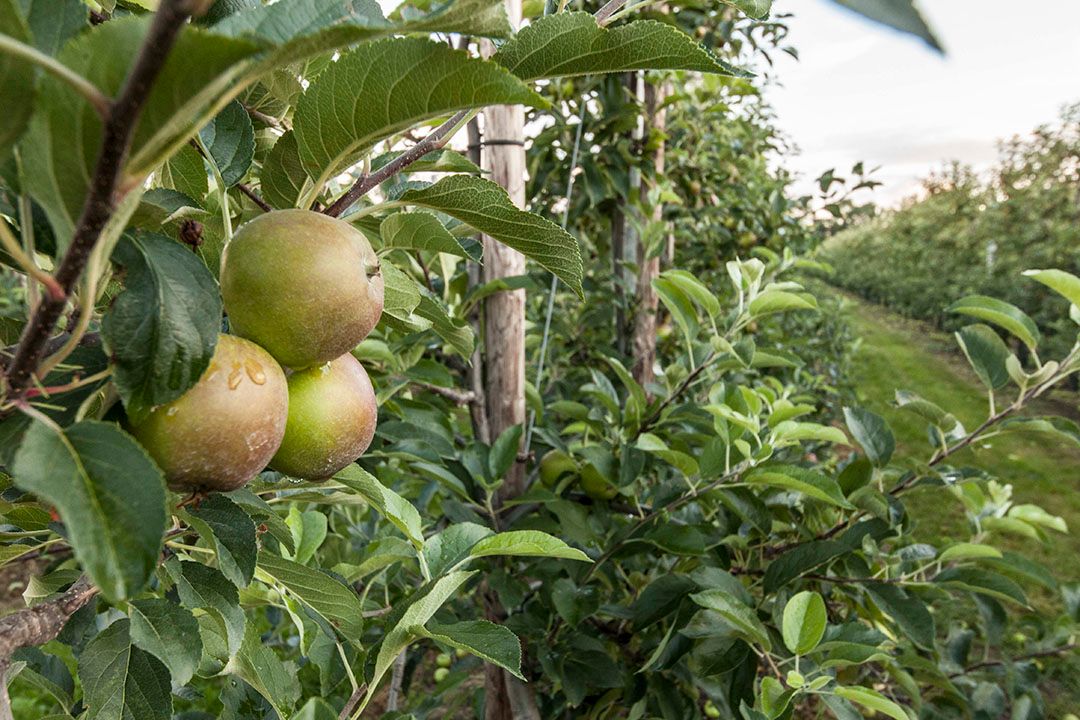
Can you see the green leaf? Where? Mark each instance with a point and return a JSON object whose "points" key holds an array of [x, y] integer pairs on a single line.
{"points": [[430, 599], [872, 433], [928, 411], [385, 501], [574, 43], [679, 304], [1064, 284], [449, 547], [161, 331], [258, 666], [757, 9], [299, 18], [303, 27], [968, 551], [382, 88], [485, 206], [793, 431], [526, 543], [899, 14], [120, 681], [308, 529], [109, 494], [61, 145], [874, 700], [742, 619], [284, 180], [418, 231], [807, 482], [401, 293], [909, 613], [776, 301], [316, 709], [504, 451], [223, 524], [230, 141], [486, 640], [185, 172], [804, 622], [1000, 313], [168, 632], [335, 602], [201, 587], [458, 333], [694, 289], [16, 76], [986, 352], [982, 581], [1058, 428], [54, 22]]}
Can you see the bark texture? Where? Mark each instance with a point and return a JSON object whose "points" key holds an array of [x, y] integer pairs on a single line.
{"points": [[643, 341]]}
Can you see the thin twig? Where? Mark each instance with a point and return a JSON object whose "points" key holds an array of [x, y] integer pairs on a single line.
{"points": [[265, 119], [254, 197], [102, 195], [354, 699], [435, 140], [1029, 656], [609, 9], [396, 678], [459, 397]]}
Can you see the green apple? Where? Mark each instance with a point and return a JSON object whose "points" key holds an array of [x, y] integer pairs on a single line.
{"points": [[441, 674], [595, 484], [598, 472], [554, 465], [304, 285], [332, 415], [224, 429], [443, 660], [711, 711]]}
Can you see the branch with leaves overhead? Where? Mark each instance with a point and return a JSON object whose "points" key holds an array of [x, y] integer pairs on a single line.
{"points": [[119, 127]]}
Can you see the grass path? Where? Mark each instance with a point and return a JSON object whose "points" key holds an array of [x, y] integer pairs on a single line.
{"points": [[901, 354]]}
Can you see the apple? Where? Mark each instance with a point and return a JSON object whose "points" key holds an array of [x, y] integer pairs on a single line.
{"points": [[332, 415], [441, 674], [224, 429], [443, 660], [304, 285], [554, 465]]}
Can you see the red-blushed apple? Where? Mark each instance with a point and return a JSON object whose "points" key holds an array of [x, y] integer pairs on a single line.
{"points": [[224, 429], [303, 285], [332, 416]]}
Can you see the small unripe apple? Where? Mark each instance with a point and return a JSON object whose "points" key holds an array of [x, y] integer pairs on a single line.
{"points": [[332, 415], [443, 660], [594, 484], [554, 465], [441, 674], [224, 429], [711, 711], [461, 653], [304, 285], [597, 473]]}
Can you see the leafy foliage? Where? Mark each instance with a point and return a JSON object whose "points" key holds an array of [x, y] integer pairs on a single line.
{"points": [[720, 539]]}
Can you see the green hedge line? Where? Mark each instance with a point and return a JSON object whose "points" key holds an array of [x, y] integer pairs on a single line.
{"points": [[975, 234]]}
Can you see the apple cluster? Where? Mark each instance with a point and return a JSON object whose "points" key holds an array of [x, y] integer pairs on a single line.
{"points": [[301, 289]]}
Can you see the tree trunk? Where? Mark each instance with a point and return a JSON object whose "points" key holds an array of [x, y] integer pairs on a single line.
{"points": [[504, 331], [643, 343], [504, 312]]}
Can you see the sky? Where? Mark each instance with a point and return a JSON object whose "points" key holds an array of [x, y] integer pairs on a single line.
{"points": [[863, 92]]}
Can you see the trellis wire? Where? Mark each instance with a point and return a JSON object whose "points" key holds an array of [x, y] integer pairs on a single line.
{"points": [[554, 279]]}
